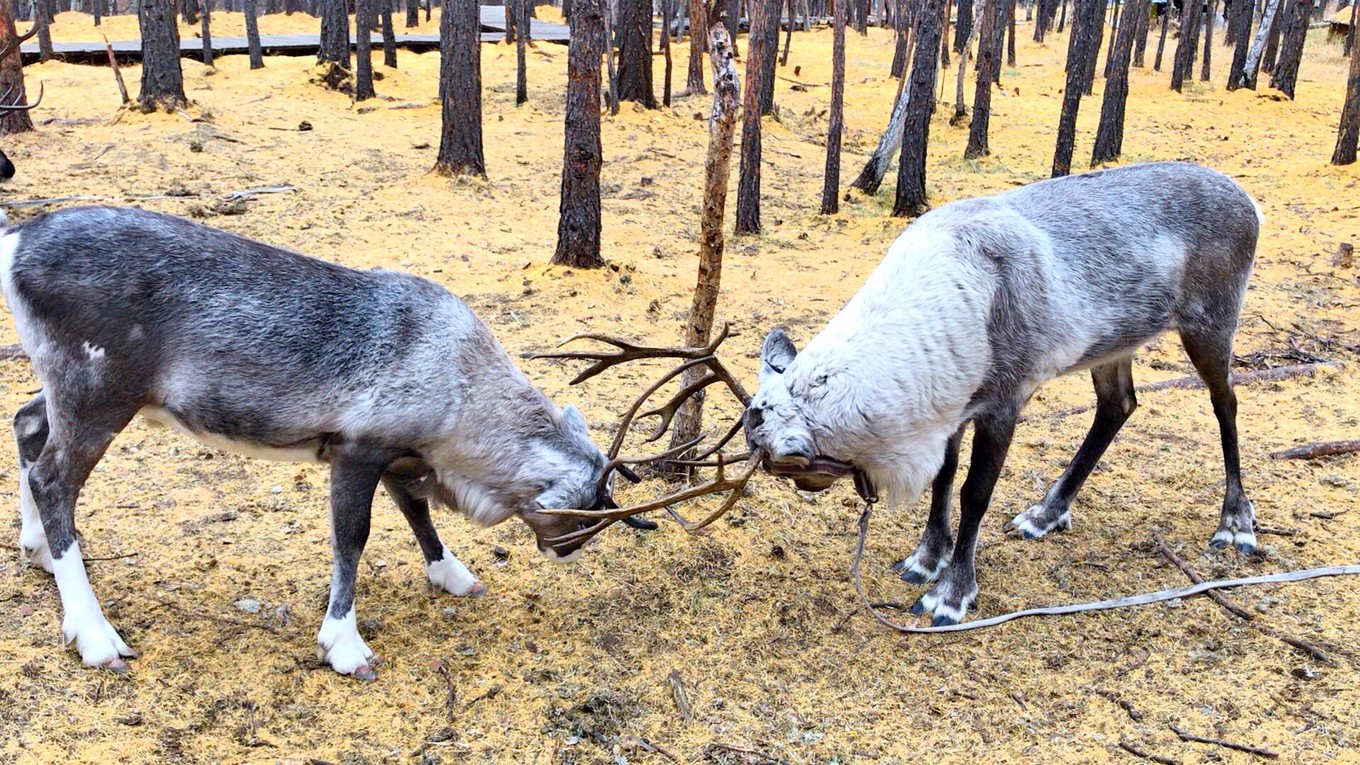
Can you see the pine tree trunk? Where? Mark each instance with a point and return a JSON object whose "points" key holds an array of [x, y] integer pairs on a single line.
{"points": [[965, 53], [42, 22], [188, 10], [1114, 35], [732, 20], [788, 37], [1183, 67], [12, 76], [205, 14], [1286, 72], [989, 60], [1273, 40], [334, 37], [1063, 21], [963, 28], [944, 36], [1269, 16], [1208, 40], [521, 44], [758, 51], [1350, 34], [1110, 133], [831, 180], [460, 90], [578, 227], [698, 31], [1140, 34], [1010, 37], [1040, 18], [389, 36], [363, 35], [911, 168], [903, 40], [412, 13], [765, 22], [635, 52], [162, 79], [1097, 30], [1349, 129], [871, 177], [1240, 24], [1082, 29], [717, 167], [253, 35]]}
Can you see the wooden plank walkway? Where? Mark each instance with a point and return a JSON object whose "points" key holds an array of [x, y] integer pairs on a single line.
{"points": [[492, 20]]}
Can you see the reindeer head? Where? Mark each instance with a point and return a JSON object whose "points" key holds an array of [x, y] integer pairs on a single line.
{"points": [[777, 421]]}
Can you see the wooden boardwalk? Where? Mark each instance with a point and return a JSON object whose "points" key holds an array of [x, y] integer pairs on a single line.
{"points": [[492, 20]]}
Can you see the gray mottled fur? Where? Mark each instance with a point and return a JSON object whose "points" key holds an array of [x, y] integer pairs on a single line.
{"points": [[981, 301]]}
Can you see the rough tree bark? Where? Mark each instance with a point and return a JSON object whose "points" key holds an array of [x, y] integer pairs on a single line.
{"points": [[768, 28], [698, 30], [1140, 33], [963, 28], [1349, 129], [759, 51], [334, 51], [871, 177], [460, 90], [989, 61], [1183, 67], [788, 36], [1161, 40], [717, 164], [911, 168], [902, 47], [162, 79], [1110, 133], [1208, 41], [1246, 78], [1240, 30], [1010, 37], [1286, 72], [1082, 28], [389, 36], [253, 35], [965, 52], [363, 35], [12, 75], [1096, 29], [1040, 20], [578, 226], [1063, 20], [667, 8], [413, 13], [521, 44], [1114, 37], [1273, 40], [42, 21], [188, 11], [831, 180], [635, 52], [205, 15]]}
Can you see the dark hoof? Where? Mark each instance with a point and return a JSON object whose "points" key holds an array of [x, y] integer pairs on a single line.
{"points": [[918, 608], [1247, 549], [1029, 535], [942, 621], [900, 566], [640, 523], [914, 577], [1218, 544]]}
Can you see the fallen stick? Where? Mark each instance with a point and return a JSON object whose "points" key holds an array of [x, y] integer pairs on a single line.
{"points": [[1258, 751], [1194, 383], [1319, 449], [1136, 752], [10, 352], [1317, 653], [682, 707], [117, 73]]}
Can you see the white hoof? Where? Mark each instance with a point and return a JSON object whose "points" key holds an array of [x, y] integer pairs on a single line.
{"points": [[450, 575], [339, 644], [1038, 521], [95, 640]]}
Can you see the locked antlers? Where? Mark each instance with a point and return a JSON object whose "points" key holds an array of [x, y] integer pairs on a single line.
{"points": [[714, 372]]}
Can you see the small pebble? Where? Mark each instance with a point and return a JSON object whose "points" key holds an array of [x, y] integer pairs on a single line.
{"points": [[249, 605]]}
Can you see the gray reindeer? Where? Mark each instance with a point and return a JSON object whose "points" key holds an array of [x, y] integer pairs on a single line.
{"points": [[385, 376], [975, 306]]}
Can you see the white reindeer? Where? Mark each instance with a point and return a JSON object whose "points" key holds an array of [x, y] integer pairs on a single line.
{"points": [[385, 376], [975, 306]]}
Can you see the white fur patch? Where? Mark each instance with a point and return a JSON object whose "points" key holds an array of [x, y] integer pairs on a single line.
{"points": [[94, 352], [32, 537], [915, 565], [1034, 522], [450, 575], [552, 555], [339, 643], [83, 621], [158, 417]]}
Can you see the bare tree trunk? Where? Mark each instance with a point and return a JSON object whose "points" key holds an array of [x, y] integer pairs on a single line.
{"points": [[963, 28], [1240, 27], [1039, 18], [205, 14], [1161, 41], [12, 76], [1349, 130], [871, 177], [253, 36], [1085, 13], [831, 180], [460, 90], [162, 79], [1184, 66], [768, 29], [989, 60], [1097, 32], [1273, 41], [965, 51], [721, 128], [1010, 37], [911, 168], [1286, 72], [1350, 32], [363, 35], [389, 36], [1114, 34], [944, 37], [521, 44], [1140, 33], [1247, 77], [412, 13], [1063, 20], [902, 46], [578, 226], [788, 37], [666, 13], [635, 52], [1110, 133], [188, 9], [43, 22], [759, 50], [698, 31], [1208, 40], [334, 41]]}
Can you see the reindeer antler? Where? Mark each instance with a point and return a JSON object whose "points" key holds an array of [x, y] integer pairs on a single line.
{"points": [[693, 358], [16, 41]]}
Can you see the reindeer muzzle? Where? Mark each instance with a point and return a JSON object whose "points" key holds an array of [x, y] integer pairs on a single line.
{"points": [[817, 474]]}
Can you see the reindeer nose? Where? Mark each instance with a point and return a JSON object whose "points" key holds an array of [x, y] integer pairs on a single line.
{"points": [[755, 417]]}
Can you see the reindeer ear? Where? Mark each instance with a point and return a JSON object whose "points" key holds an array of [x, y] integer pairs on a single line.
{"points": [[776, 354], [575, 421]]}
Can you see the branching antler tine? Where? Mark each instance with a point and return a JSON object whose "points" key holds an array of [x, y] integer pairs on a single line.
{"points": [[631, 414], [15, 42], [19, 107], [668, 410], [736, 485], [717, 368], [620, 463], [736, 428], [697, 463], [582, 534]]}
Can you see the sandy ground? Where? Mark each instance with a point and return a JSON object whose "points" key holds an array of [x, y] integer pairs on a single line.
{"points": [[757, 618]]}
